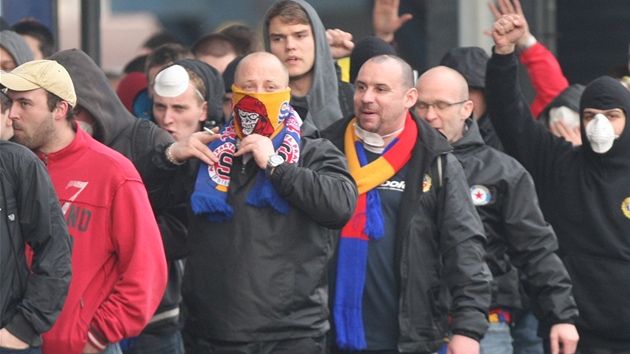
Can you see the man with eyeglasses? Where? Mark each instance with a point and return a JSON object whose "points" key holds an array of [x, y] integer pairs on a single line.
{"points": [[415, 236], [505, 198]]}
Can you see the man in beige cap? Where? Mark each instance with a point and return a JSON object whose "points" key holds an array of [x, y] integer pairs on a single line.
{"points": [[117, 279]]}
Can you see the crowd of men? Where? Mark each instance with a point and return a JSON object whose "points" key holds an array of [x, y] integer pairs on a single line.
{"points": [[240, 197]]}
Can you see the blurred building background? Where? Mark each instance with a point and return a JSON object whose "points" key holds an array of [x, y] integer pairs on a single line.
{"points": [[590, 38]]}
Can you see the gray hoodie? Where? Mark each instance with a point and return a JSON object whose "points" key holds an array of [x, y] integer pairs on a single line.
{"points": [[96, 95], [16, 46], [323, 98]]}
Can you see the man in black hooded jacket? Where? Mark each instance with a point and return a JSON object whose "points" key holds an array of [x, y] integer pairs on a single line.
{"points": [[584, 191]]}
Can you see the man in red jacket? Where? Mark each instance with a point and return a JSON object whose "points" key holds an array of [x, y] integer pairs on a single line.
{"points": [[117, 279]]}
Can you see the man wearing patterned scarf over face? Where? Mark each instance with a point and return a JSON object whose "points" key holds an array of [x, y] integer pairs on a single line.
{"points": [[264, 196]]}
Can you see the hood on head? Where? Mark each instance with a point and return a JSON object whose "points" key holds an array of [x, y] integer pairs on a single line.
{"points": [[569, 97], [470, 62], [15, 45], [95, 94], [323, 98], [606, 93]]}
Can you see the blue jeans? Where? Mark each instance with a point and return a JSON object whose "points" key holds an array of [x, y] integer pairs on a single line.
{"points": [[525, 335], [497, 339], [113, 348], [150, 344]]}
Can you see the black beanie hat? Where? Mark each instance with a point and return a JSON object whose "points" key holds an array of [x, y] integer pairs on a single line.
{"points": [[605, 93], [228, 74], [214, 86], [470, 62], [366, 49]]}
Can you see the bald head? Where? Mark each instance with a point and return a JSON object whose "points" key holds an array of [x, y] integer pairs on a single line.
{"points": [[261, 72], [448, 77], [443, 101]]}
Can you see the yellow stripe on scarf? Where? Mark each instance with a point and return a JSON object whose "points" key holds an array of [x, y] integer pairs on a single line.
{"points": [[371, 175]]}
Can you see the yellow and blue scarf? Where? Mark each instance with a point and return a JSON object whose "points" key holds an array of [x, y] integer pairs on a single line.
{"points": [[281, 125], [366, 224]]}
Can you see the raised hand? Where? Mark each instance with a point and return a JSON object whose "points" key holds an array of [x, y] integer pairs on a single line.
{"points": [[385, 19], [572, 135], [505, 32], [513, 7], [340, 43]]}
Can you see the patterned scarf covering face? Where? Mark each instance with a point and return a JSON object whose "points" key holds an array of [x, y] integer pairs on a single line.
{"points": [[267, 114], [366, 224]]}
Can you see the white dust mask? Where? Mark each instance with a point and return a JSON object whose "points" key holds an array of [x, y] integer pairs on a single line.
{"points": [[373, 139], [565, 114], [600, 134]]}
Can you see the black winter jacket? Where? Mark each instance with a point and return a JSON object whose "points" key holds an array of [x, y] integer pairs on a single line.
{"points": [[262, 275], [30, 213], [440, 247], [585, 196], [505, 197]]}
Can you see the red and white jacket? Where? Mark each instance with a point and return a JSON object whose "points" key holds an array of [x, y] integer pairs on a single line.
{"points": [[546, 75]]}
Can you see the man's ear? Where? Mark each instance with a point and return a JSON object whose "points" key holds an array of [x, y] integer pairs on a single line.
{"points": [[204, 111], [411, 97], [467, 108], [61, 110]]}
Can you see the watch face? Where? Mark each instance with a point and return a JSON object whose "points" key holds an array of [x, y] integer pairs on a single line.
{"points": [[275, 160]]}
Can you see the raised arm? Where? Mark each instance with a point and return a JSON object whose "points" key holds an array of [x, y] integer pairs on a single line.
{"points": [[543, 68], [385, 19]]}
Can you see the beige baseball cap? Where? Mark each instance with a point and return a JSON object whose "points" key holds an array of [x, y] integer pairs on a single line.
{"points": [[45, 74]]}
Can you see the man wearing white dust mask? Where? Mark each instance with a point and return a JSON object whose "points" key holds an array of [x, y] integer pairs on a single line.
{"points": [[584, 192]]}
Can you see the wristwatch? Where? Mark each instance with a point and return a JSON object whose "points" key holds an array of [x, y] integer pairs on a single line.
{"points": [[273, 162]]}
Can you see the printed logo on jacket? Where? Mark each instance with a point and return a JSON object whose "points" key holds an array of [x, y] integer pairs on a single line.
{"points": [[480, 194], [76, 217]]}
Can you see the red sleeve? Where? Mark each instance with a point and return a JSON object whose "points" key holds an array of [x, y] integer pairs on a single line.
{"points": [[142, 271], [546, 75]]}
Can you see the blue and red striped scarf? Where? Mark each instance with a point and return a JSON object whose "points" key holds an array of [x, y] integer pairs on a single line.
{"points": [[366, 224]]}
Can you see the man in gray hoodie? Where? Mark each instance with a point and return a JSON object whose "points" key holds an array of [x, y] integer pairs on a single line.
{"points": [[14, 51], [294, 33]]}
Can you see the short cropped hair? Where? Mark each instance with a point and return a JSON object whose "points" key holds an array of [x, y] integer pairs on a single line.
{"points": [[289, 12], [407, 71]]}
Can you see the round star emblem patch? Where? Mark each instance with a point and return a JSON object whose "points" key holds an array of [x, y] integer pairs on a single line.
{"points": [[625, 207], [480, 195]]}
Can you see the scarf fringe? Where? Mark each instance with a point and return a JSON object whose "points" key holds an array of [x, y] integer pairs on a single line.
{"points": [[264, 194], [214, 209]]}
